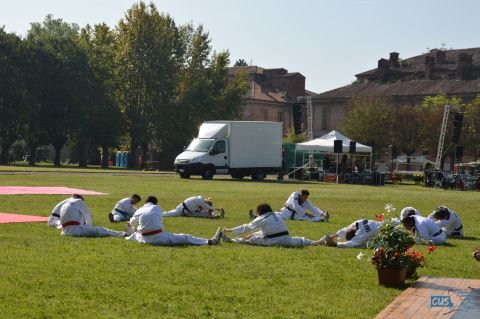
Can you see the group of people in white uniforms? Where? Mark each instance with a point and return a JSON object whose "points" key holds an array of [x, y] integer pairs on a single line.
{"points": [[439, 225]]}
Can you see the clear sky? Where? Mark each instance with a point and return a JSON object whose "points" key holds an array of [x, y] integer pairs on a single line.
{"points": [[328, 41]]}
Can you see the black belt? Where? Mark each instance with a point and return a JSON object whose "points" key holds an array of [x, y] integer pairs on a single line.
{"points": [[459, 228], [292, 210], [186, 208], [120, 211], [365, 221], [437, 233], [56, 215], [283, 233]]}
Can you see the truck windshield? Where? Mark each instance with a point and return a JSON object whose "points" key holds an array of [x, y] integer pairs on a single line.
{"points": [[200, 145]]}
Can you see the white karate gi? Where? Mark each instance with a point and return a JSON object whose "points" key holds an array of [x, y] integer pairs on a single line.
{"points": [[293, 209], [407, 210], [366, 230], [427, 230], [150, 229], [273, 232], [452, 226], [54, 218], [76, 213], [123, 210], [192, 207]]}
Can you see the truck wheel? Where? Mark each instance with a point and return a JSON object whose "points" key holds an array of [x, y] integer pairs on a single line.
{"points": [[258, 175], [184, 175], [208, 173]]}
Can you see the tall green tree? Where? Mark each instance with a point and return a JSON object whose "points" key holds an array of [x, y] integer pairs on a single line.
{"points": [[12, 91], [240, 62], [368, 119], [70, 80], [149, 56], [104, 120], [471, 128]]}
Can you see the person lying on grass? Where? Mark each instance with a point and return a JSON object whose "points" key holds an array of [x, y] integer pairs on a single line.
{"points": [[356, 235], [195, 206], [425, 230], [272, 231], [299, 207], [448, 221]]}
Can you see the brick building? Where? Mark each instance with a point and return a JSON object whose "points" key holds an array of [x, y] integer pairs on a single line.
{"points": [[273, 96], [408, 81]]}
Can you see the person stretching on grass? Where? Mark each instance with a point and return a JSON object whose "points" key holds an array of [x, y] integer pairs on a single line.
{"points": [[448, 221], [298, 207], [272, 231], [54, 218], [195, 206], [150, 229], [124, 209], [356, 235], [425, 230], [76, 220]]}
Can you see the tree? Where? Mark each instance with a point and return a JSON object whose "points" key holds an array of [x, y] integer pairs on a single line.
{"points": [[405, 126], [104, 120], [367, 121], [65, 97], [432, 108], [471, 127], [12, 91], [240, 62], [149, 55]]}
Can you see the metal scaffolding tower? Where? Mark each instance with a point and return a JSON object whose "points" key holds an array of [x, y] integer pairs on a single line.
{"points": [[441, 140], [309, 117]]}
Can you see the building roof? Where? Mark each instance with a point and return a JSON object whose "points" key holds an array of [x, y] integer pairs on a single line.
{"points": [[404, 88], [408, 77]]}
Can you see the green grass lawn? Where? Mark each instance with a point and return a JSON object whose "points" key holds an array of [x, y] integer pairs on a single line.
{"points": [[45, 275]]}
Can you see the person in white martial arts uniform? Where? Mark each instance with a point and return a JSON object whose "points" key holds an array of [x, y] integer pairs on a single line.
{"points": [[272, 231], [356, 235], [150, 229], [195, 206], [299, 207], [448, 221], [54, 218], [425, 230], [409, 211], [124, 209], [76, 220]]}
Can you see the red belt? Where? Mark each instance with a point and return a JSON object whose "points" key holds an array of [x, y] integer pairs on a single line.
{"points": [[71, 223], [152, 232]]}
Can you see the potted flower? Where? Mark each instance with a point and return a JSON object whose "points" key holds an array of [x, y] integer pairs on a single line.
{"points": [[418, 179], [416, 259], [389, 253], [395, 178]]}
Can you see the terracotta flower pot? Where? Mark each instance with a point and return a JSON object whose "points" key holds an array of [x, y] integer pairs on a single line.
{"points": [[391, 277]]}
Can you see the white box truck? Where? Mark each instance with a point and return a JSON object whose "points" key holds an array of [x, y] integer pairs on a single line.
{"points": [[237, 148]]}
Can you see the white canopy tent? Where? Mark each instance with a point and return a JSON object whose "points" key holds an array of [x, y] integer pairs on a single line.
{"points": [[324, 144]]}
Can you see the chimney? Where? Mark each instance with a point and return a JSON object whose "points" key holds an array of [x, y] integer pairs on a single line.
{"points": [[464, 66], [441, 56], [429, 66], [394, 59]]}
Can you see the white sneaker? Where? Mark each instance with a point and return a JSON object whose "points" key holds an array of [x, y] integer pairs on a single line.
{"points": [[216, 238]]}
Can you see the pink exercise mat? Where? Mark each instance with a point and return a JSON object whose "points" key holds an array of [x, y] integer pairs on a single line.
{"points": [[16, 218], [29, 190]]}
